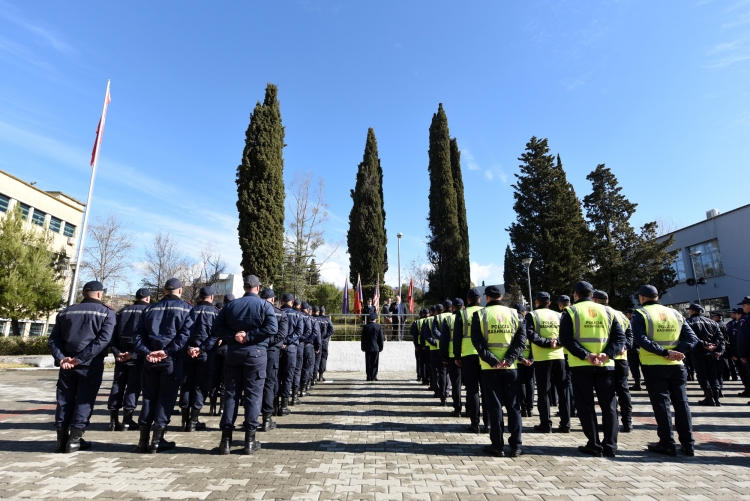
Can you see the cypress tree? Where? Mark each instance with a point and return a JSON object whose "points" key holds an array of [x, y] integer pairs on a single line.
{"points": [[366, 237], [461, 265], [549, 224], [444, 239], [260, 191], [513, 292]]}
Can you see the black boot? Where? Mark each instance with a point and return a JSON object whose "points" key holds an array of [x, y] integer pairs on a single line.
{"points": [[142, 446], [716, 394], [193, 424], [708, 398], [127, 421], [114, 420], [157, 441], [320, 377], [212, 409], [221, 406], [268, 423], [185, 420], [276, 405], [76, 442], [293, 401], [303, 390], [284, 409], [226, 442], [251, 445], [62, 439]]}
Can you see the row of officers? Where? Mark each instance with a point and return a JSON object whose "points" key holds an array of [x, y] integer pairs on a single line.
{"points": [[578, 358], [248, 353]]}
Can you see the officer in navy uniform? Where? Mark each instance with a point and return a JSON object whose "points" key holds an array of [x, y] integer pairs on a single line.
{"points": [[424, 350], [634, 361], [161, 337], [743, 333], [526, 371], [78, 343], [312, 346], [322, 327], [446, 353], [704, 355], [198, 365], [414, 332], [217, 377], [306, 329], [288, 359], [246, 325], [126, 382], [563, 302], [325, 338], [430, 342], [663, 368], [371, 344], [440, 367], [270, 387], [732, 328]]}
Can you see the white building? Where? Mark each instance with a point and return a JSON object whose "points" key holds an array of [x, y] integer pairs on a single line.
{"points": [[228, 283]]}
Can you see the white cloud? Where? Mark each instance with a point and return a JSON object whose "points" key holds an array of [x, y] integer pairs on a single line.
{"points": [[488, 174], [496, 172], [45, 35], [490, 274], [336, 268], [469, 160]]}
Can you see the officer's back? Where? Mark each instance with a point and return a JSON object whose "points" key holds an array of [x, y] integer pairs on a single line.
{"points": [[165, 326], [82, 331], [127, 321], [249, 314]]}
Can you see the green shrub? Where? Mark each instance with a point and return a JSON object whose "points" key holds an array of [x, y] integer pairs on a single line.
{"points": [[14, 345]]}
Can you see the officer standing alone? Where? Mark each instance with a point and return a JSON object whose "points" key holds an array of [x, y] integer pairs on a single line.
{"points": [[372, 344], [78, 344]]}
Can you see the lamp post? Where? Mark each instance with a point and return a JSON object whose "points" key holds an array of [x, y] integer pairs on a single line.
{"points": [[398, 318], [527, 263]]}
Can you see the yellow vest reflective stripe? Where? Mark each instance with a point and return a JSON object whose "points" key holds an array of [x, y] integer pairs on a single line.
{"points": [[663, 326], [436, 320], [419, 321], [592, 323], [450, 321], [547, 325], [467, 347], [625, 323], [499, 326]]}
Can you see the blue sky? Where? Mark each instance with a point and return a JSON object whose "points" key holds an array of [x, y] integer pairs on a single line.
{"points": [[659, 91]]}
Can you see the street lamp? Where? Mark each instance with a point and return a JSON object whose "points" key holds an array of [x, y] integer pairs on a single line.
{"points": [[527, 263], [398, 318], [695, 281]]}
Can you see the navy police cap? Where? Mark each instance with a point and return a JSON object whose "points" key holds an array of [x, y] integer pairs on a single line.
{"points": [[583, 287], [206, 291], [93, 286], [542, 296], [458, 301], [648, 291], [267, 293], [492, 291], [601, 295], [141, 293], [563, 299], [173, 284], [288, 296], [473, 293]]}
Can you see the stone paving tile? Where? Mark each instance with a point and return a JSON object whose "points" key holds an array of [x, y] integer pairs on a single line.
{"points": [[353, 440]]}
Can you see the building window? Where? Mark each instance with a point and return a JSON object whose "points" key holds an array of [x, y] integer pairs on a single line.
{"points": [[49, 329], [706, 259], [38, 217], [54, 224], [36, 329], [70, 230], [3, 323], [24, 210], [681, 307], [716, 304], [4, 203], [679, 267], [21, 327]]}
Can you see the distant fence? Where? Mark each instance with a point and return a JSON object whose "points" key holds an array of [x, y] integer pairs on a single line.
{"points": [[348, 327]]}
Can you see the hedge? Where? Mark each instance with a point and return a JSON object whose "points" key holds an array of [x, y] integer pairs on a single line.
{"points": [[16, 345]]}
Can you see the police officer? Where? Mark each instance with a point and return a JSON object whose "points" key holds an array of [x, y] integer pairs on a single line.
{"points": [[414, 330], [727, 368], [270, 387], [621, 365], [198, 364], [704, 355], [78, 343], [322, 328], [312, 346], [372, 345], [526, 371], [326, 333], [161, 337], [498, 335], [126, 382], [467, 358], [288, 361], [441, 370], [563, 302], [424, 350], [732, 328], [446, 353], [306, 328], [246, 326], [634, 361], [217, 377], [431, 344], [593, 336], [543, 331], [743, 333], [664, 338]]}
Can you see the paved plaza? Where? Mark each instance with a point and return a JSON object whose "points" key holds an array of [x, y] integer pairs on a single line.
{"points": [[357, 440]]}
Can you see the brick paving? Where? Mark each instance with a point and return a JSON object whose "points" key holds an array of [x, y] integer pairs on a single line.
{"points": [[357, 440]]}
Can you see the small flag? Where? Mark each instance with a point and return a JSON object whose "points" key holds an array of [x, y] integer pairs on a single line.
{"points": [[358, 296], [410, 296], [376, 295], [345, 304], [100, 127]]}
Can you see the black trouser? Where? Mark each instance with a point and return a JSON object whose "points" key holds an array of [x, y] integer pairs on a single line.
{"points": [[308, 363], [161, 382], [526, 386], [372, 358], [298, 365], [272, 373], [245, 373], [471, 373], [744, 373], [217, 377], [586, 381], [424, 354], [196, 381], [501, 390], [318, 359], [418, 358], [126, 385], [634, 364], [706, 369], [323, 357], [440, 374], [287, 367], [667, 384], [76, 393], [623, 390], [551, 375], [454, 374]]}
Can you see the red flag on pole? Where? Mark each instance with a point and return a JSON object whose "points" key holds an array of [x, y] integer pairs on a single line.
{"points": [[358, 297], [100, 128], [410, 296], [376, 295]]}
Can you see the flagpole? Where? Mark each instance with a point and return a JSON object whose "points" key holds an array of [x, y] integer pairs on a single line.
{"points": [[87, 210]]}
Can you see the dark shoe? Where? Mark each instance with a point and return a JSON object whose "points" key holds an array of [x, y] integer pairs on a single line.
{"points": [[488, 449], [268, 423], [226, 442], [375, 379], [688, 451], [721, 393], [221, 407], [708, 399], [303, 390], [157, 441], [486, 429], [590, 451], [320, 377], [443, 403], [563, 429], [127, 421], [193, 424], [142, 446], [212, 408], [294, 396], [456, 413], [515, 452], [251, 445], [529, 413], [276, 405], [473, 428], [185, 420], [62, 439], [627, 428], [114, 420], [538, 428], [284, 407], [608, 454], [76, 442], [744, 394], [636, 387], [716, 394], [662, 449], [296, 400]]}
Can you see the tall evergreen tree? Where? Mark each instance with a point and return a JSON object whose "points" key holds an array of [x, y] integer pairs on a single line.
{"points": [[366, 237], [260, 191], [513, 293], [461, 264], [549, 224], [445, 236]]}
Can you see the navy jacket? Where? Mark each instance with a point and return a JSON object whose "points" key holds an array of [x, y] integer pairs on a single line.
{"points": [[313, 335], [326, 328], [613, 347], [282, 320], [426, 335], [251, 314], [124, 337], [732, 337], [687, 340], [83, 331], [295, 325], [743, 337], [372, 337], [477, 339], [164, 326], [203, 315], [708, 332]]}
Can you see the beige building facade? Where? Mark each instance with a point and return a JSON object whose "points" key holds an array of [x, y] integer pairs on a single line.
{"points": [[54, 212]]}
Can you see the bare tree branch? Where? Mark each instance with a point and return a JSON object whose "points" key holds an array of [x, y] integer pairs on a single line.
{"points": [[107, 255]]}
